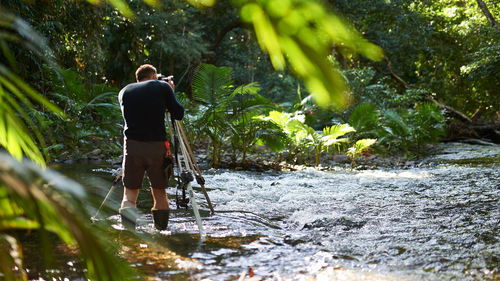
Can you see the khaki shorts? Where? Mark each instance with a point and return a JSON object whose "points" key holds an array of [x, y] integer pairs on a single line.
{"points": [[144, 157]]}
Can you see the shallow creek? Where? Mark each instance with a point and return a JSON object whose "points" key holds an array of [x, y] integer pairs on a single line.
{"points": [[441, 222]]}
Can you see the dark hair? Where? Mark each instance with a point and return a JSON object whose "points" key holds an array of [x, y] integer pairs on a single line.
{"points": [[145, 71]]}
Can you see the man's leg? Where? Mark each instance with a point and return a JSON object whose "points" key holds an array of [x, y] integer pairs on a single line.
{"points": [[160, 210], [160, 199], [157, 178], [133, 174], [130, 198], [128, 210]]}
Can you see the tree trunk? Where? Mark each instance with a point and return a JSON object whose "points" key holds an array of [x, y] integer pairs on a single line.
{"points": [[478, 114], [338, 55], [468, 130], [172, 64], [393, 75], [487, 13], [215, 156], [234, 24]]}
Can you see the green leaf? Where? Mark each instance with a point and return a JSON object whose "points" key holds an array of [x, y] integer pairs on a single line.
{"points": [[11, 258]]}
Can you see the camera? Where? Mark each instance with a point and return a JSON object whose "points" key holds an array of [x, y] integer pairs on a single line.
{"points": [[165, 78]]}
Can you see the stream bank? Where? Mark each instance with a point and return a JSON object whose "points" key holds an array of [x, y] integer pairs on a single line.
{"points": [[262, 159]]}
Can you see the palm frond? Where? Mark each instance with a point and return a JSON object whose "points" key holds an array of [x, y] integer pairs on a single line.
{"points": [[395, 123], [30, 38], [12, 259], [66, 82], [38, 199], [211, 84], [360, 145], [16, 120], [333, 132], [247, 89], [272, 136], [248, 103], [364, 117]]}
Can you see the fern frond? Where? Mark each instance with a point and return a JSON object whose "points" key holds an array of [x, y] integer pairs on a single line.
{"points": [[362, 115]]}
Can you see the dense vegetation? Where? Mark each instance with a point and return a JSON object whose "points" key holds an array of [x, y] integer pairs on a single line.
{"points": [[446, 51], [290, 75]]}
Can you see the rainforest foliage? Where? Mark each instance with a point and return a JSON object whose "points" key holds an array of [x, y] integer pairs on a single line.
{"points": [[384, 56], [296, 76]]}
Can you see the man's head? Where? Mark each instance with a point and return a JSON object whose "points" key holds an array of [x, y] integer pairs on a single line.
{"points": [[145, 72]]}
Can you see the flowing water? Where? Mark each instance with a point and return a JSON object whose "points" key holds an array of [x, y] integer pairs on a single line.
{"points": [[440, 222]]}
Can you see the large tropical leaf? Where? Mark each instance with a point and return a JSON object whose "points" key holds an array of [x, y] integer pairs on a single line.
{"points": [[247, 103], [360, 145], [363, 118], [279, 118], [212, 85], [428, 125], [302, 133], [272, 136], [65, 81], [46, 202], [331, 134], [105, 104], [303, 31], [396, 125], [17, 127]]}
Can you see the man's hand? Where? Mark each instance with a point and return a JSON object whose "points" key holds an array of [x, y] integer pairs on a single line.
{"points": [[170, 80]]}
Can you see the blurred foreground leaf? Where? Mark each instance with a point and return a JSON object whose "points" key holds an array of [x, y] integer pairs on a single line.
{"points": [[16, 96], [304, 33], [45, 201]]}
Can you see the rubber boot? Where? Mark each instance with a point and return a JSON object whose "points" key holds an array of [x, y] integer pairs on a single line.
{"points": [[129, 217], [160, 218]]}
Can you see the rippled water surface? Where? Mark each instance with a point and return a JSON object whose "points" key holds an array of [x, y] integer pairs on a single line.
{"points": [[435, 223]]}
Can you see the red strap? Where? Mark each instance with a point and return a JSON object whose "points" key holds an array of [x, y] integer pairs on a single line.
{"points": [[167, 145]]}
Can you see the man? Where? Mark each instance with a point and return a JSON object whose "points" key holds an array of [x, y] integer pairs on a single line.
{"points": [[143, 106]]}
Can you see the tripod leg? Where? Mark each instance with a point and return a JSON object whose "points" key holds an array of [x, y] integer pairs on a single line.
{"points": [[192, 160], [105, 199], [195, 209], [115, 182]]}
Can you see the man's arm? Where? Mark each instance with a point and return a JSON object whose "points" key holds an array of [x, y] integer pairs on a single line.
{"points": [[174, 107]]}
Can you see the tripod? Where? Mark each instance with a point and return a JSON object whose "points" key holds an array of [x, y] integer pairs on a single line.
{"points": [[187, 167]]}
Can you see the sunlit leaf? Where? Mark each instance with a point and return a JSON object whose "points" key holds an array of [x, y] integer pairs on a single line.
{"points": [[303, 32], [121, 6], [202, 3], [152, 3], [266, 34]]}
